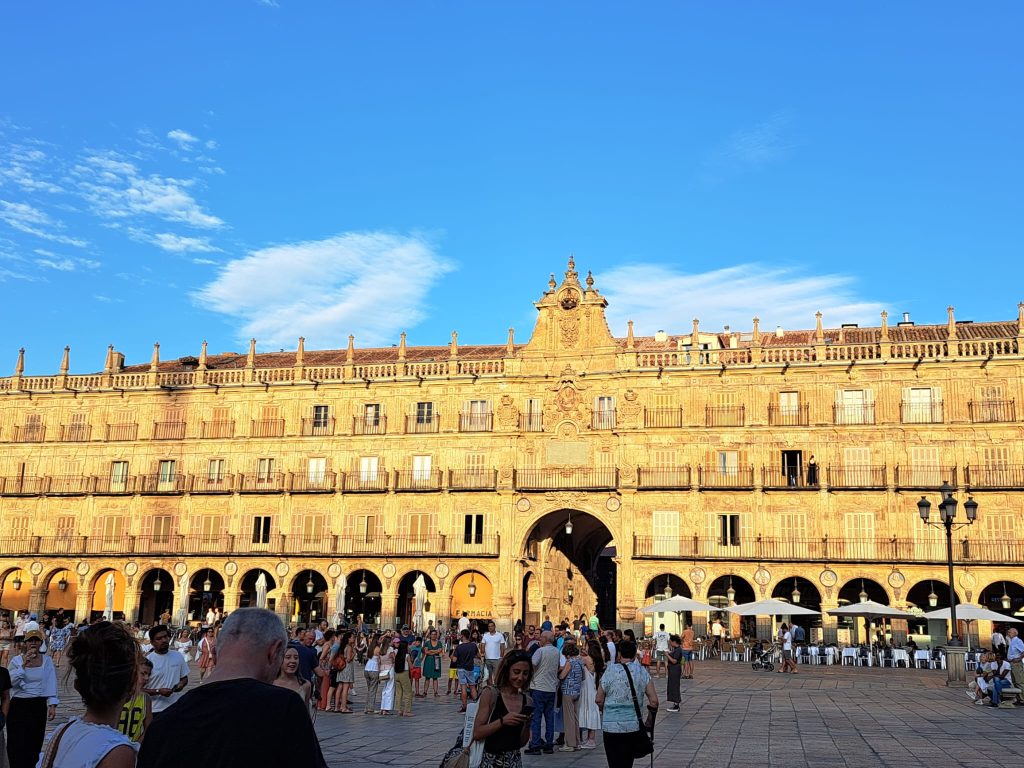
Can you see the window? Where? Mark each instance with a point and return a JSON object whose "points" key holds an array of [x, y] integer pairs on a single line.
{"points": [[160, 527], [473, 529], [420, 469], [264, 470], [366, 528], [475, 462], [67, 526], [997, 457], [321, 415], [166, 477], [419, 528], [792, 526], [210, 527], [604, 412], [261, 529], [113, 527], [424, 413], [665, 527], [316, 471], [118, 476], [729, 530], [476, 416], [1000, 527], [221, 414], [368, 469], [665, 458], [311, 531], [728, 463], [215, 471], [371, 414], [924, 466], [789, 403], [921, 405], [859, 529], [533, 419]]}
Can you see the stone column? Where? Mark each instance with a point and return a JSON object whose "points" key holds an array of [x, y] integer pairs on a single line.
{"points": [[899, 631], [701, 625], [83, 604], [132, 599], [232, 597], [829, 624], [765, 628], [388, 602], [503, 613], [37, 600]]}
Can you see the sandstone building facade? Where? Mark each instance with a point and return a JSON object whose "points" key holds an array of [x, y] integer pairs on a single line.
{"points": [[576, 472]]}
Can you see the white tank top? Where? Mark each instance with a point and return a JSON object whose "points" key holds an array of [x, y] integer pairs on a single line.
{"points": [[84, 744]]}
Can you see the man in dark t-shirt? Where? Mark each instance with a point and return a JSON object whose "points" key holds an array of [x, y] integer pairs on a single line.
{"points": [[237, 717], [464, 659]]}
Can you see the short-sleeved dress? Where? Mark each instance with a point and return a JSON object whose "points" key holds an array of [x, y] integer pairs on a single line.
{"points": [[431, 663], [208, 652]]}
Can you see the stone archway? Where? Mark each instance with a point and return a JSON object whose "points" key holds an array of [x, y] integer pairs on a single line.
{"points": [[576, 566]]}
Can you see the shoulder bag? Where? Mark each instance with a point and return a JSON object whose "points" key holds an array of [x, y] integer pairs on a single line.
{"points": [[470, 755], [643, 745]]}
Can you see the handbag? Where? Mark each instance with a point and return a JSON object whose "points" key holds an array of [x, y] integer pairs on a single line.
{"points": [[470, 755], [642, 745], [385, 674], [338, 663]]}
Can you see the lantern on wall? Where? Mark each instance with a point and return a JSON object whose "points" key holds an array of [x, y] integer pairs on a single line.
{"points": [[472, 586]]}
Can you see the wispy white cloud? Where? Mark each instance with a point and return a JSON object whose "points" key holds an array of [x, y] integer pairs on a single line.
{"points": [[25, 167], [182, 138], [30, 220], [116, 189], [205, 262], [67, 264], [658, 297], [752, 148], [372, 284], [181, 244]]}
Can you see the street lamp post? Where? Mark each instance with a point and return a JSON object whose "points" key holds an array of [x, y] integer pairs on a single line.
{"points": [[947, 520]]}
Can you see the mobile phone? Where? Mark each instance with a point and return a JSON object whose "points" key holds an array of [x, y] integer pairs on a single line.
{"points": [[527, 710]]}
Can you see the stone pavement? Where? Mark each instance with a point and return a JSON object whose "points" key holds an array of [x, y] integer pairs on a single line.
{"points": [[732, 716]]}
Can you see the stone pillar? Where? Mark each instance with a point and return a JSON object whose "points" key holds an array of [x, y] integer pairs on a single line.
{"points": [[701, 625], [829, 624], [388, 602], [899, 631], [765, 628], [132, 599], [37, 600], [232, 597], [83, 604], [503, 613]]}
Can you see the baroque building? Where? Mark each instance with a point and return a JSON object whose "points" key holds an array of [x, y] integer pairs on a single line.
{"points": [[575, 473]]}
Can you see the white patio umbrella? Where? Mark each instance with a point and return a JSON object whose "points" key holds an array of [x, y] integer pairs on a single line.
{"points": [[770, 608], [108, 603], [970, 612], [419, 590], [183, 600], [677, 604], [341, 585], [261, 590], [871, 610]]}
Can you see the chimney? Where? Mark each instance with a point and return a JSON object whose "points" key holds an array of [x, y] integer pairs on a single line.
{"points": [[779, 332], [660, 336]]}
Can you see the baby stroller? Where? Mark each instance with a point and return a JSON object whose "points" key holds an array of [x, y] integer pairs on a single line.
{"points": [[764, 658]]}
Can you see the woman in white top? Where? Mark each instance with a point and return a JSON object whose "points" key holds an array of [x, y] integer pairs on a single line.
{"points": [[183, 644], [589, 715], [387, 674], [33, 701], [105, 660]]}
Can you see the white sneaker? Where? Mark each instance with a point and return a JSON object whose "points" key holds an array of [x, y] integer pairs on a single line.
{"points": [[971, 696]]}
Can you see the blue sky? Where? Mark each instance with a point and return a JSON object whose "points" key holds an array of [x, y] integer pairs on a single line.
{"points": [[184, 171]]}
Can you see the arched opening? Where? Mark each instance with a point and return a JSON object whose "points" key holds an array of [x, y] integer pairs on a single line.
{"points": [[108, 596], [406, 607], [206, 593], [255, 585], [925, 596], [473, 593], [530, 605], [662, 587], [802, 592], [859, 629], [309, 590], [61, 593], [576, 553], [16, 585], [362, 597], [1006, 597], [156, 596], [731, 590]]}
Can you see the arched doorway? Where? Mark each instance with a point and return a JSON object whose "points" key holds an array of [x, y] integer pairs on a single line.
{"points": [[529, 612], [405, 608], [858, 629], [108, 596], [15, 585], [156, 595], [362, 597], [61, 593], [802, 592], [473, 593], [254, 592], [1006, 597], [731, 590], [309, 589], [576, 551], [206, 592], [662, 587], [930, 595]]}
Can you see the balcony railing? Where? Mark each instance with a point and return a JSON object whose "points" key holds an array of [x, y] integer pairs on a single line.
{"points": [[313, 482], [364, 426], [169, 430], [114, 486], [857, 413], [663, 478], [218, 429], [214, 483], [855, 477], [33, 433], [267, 428], [476, 422], [566, 479], [663, 418], [161, 483], [725, 477], [603, 418], [472, 479], [421, 424], [924, 477], [69, 485], [267, 482], [418, 480], [789, 478], [367, 482], [725, 415], [23, 485], [317, 427], [921, 413], [121, 432], [788, 415], [531, 422], [992, 411], [75, 433], [993, 477]]}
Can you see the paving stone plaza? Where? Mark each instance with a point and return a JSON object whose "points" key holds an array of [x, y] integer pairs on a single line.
{"points": [[732, 716]]}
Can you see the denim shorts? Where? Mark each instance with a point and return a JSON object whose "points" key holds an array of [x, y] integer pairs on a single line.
{"points": [[466, 677]]}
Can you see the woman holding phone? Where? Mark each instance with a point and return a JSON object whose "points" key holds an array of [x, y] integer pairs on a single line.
{"points": [[503, 717]]}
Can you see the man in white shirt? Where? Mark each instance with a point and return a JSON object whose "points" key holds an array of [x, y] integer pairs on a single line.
{"points": [[1000, 677], [998, 642], [209, 617], [788, 662], [661, 650], [463, 622], [717, 631], [1015, 655], [170, 671], [494, 649], [609, 637]]}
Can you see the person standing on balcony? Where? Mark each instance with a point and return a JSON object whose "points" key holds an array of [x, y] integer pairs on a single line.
{"points": [[812, 471]]}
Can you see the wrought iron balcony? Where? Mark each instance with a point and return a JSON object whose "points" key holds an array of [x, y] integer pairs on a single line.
{"points": [[921, 413], [262, 482], [418, 480], [788, 415], [23, 485], [214, 483], [361, 425], [663, 418], [422, 424], [160, 483], [476, 422], [367, 482], [31, 433], [566, 479], [119, 432], [267, 428], [923, 477], [69, 485], [851, 414], [663, 478], [318, 427], [169, 430], [218, 429], [75, 433], [992, 411], [734, 478], [531, 422], [856, 477], [472, 479], [603, 418], [994, 477], [725, 415], [790, 478], [114, 486], [313, 482]]}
